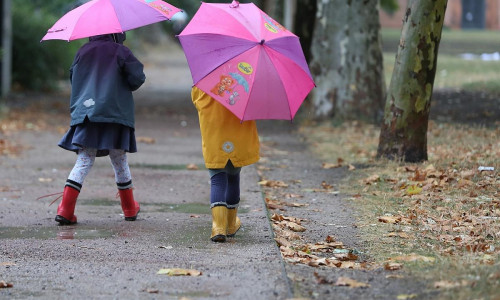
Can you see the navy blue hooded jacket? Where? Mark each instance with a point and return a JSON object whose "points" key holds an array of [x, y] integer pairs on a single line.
{"points": [[103, 75]]}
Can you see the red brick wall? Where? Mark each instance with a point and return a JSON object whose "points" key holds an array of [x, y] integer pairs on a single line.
{"points": [[453, 16], [493, 14]]}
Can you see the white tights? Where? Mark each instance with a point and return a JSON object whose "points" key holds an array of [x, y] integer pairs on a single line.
{"points": [[85, 161]]}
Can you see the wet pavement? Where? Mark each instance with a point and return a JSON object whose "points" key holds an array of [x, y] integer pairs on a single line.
{"points": [[105, 257]]}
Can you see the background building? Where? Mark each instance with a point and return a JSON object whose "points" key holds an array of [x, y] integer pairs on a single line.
{"points": [[460, 14]]}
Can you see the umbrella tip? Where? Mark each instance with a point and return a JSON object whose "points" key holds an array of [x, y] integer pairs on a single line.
{"points": [[234, 4], [262, 42]]}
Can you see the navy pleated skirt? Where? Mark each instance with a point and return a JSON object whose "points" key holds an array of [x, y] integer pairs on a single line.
{"points": [[100, 136]]}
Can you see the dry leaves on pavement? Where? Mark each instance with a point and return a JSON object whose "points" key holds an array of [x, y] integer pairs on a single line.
{"points": [[4, 285], [179, 272]]}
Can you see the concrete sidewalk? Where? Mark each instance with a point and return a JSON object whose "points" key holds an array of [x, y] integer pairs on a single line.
{"points": [[105, 257]]}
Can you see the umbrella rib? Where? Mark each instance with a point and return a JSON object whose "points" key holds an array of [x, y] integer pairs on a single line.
{"points": [[281, 83], [300, 70], [116, 14]]}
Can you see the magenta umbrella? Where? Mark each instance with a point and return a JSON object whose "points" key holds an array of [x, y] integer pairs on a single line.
{"points": [[247, 61], [98, 17]]}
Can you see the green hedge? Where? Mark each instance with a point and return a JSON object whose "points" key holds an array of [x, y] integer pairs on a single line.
{"points": [[35, 65]]}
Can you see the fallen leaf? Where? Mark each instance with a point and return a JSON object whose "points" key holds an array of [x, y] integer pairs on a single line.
{"points": [[413, 257], [287, 251], [410, 168], [396, 276], [392, 266], [390, 219], [166, 247], [330, 166], [345, 281], [326, 186], [192, 167], [413, 190], [430, 168], [285, 233], [372, 179], [467, 174], [4, 285], [273, 204], [398, 234], [45, 179], [321, 279], [329, 239], [273, 183], [294, 226], [145, 140], [464, 183], [282, 242], [406, 296], [293, 195], [295, 204], [348, 265], [446, 284], [419, 176], [179, 272], [345, 256]]}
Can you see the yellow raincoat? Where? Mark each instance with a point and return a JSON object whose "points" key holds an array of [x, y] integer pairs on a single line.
{"points": [[224, 137]]}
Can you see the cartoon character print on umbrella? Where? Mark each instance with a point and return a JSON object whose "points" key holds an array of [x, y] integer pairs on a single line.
{"points": [[225, 85], [161, 7], [280, 78], [272, 25]]}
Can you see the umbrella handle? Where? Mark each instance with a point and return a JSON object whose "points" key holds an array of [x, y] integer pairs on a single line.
{"points": [[234, 4]]}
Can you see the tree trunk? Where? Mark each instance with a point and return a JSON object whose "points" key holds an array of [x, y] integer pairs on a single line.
{"points": [[290, 8], [6, 53], [347, 63], [404, 130], [304, 24], [270, 7]]}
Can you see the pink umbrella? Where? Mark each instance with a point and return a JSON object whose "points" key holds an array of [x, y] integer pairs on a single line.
{"points": [[98, 17], [247, 61]]}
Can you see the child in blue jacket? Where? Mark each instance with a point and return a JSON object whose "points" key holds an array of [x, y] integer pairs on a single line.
{"points": [[103, 75]]}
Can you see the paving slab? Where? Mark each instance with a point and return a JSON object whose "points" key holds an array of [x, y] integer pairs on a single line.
{"points": [[105, 257]]}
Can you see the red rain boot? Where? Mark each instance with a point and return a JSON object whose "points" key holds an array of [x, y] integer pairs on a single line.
{"points": [[66, 209], [130, 207]]}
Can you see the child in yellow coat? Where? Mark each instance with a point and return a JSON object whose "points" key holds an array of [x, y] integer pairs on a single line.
{"points": [[228, 144]]}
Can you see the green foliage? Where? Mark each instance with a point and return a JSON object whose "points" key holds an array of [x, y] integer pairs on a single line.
{"points": [[389, 6], [37, 66]]}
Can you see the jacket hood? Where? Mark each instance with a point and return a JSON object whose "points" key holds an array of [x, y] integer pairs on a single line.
{"points": [[114, 37]]}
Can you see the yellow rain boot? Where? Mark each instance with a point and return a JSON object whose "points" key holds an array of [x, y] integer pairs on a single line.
{"points": [[219, 224], [233, 222]]}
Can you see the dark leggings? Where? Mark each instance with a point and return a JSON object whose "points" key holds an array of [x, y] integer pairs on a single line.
{"points": [[225, 190]]}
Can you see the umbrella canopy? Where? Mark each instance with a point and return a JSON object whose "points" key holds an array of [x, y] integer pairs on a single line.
{"points": [[247, 61], [98, 17]]}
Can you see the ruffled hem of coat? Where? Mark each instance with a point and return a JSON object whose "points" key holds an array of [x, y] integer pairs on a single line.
{"points": [[236, 163]]}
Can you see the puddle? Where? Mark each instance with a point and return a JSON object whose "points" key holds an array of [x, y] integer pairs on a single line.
{"points": [[197, 235], [194, 294], [99, 202], [56, 232], [166, 167], [187, 208]]}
